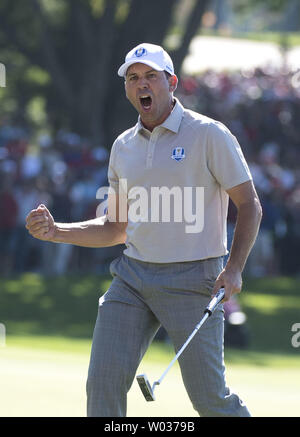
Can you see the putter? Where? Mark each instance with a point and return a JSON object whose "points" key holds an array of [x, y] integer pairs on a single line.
{"points": [[142, 379]]}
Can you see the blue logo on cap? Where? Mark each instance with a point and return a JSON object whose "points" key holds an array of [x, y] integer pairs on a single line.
{"points": [[140, 52]]}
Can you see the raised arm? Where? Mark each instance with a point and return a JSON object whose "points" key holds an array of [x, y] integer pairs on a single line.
{"points": [[100, 232]]}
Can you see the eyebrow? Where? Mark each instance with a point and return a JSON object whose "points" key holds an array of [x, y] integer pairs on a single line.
{"points": [[146, 72]]}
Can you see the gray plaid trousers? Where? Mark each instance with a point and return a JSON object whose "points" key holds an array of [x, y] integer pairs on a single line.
{"points": [[142, 297]]}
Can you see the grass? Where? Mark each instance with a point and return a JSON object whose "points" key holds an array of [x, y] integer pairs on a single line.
{"points": [[33, 304], [272, 306], [45, 376]]}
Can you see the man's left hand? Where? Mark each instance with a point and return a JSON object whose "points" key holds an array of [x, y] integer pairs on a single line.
{"points": [[231, 280]]}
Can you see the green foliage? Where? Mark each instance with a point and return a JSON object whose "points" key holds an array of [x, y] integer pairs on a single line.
{"points": [[291, 38], [65, 54], [272, 5]]}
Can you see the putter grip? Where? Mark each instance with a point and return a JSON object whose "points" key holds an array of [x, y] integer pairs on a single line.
{"points": [[215, 301]]}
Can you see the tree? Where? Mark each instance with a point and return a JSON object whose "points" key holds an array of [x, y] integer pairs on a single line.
{"points": [[289, 7], [68, 52]]}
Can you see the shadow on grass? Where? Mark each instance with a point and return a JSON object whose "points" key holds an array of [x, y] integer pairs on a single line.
{"points": [[272, 306], [67, 306]]}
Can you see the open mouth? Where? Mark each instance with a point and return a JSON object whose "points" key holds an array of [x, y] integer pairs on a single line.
{"points": [[146, 102]]}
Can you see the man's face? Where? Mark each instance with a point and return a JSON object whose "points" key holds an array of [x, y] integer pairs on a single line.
{"points": [[150, 92]]}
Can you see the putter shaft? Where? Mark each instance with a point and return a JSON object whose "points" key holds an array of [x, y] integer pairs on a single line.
{"points": [[143, 381], [181, 349]]}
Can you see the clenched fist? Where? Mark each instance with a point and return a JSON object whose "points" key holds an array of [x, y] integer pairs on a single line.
{"points": [[40, 223]]}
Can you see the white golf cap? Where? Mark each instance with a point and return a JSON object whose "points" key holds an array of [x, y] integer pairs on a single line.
{"points": [[149, 54]]}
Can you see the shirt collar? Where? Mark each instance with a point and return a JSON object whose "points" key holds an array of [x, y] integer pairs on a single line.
{"points": [[173, 121]]}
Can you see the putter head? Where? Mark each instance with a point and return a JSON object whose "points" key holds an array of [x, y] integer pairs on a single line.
{"points": [[145, 387]]}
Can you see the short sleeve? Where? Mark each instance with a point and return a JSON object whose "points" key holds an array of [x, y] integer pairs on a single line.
{"points": [[112, 174], [226, 161]]}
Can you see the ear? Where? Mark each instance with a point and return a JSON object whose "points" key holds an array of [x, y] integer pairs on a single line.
{"points": [[173, 82], [125, 88]]}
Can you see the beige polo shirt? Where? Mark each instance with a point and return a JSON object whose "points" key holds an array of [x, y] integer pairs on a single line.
{"points": [[175, 178]]}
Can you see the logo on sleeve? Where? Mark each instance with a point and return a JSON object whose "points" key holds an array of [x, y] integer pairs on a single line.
{"points": [[178, 154]]}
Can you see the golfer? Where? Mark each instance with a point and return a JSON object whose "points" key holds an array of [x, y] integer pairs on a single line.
{"points": [[173, 260]]}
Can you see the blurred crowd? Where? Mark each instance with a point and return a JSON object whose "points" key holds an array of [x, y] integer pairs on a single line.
{"points": [[261, 108], [64, 173]]}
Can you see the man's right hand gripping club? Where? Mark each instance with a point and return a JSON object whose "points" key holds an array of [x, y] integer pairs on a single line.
{"points": [[40, 223]]}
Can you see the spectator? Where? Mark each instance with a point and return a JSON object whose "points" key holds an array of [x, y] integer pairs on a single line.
{"points": [[262, 108], [8, 218]]}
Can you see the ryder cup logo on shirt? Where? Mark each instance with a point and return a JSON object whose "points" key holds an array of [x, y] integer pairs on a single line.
{"points": [[178, 154], [140, 52]]}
